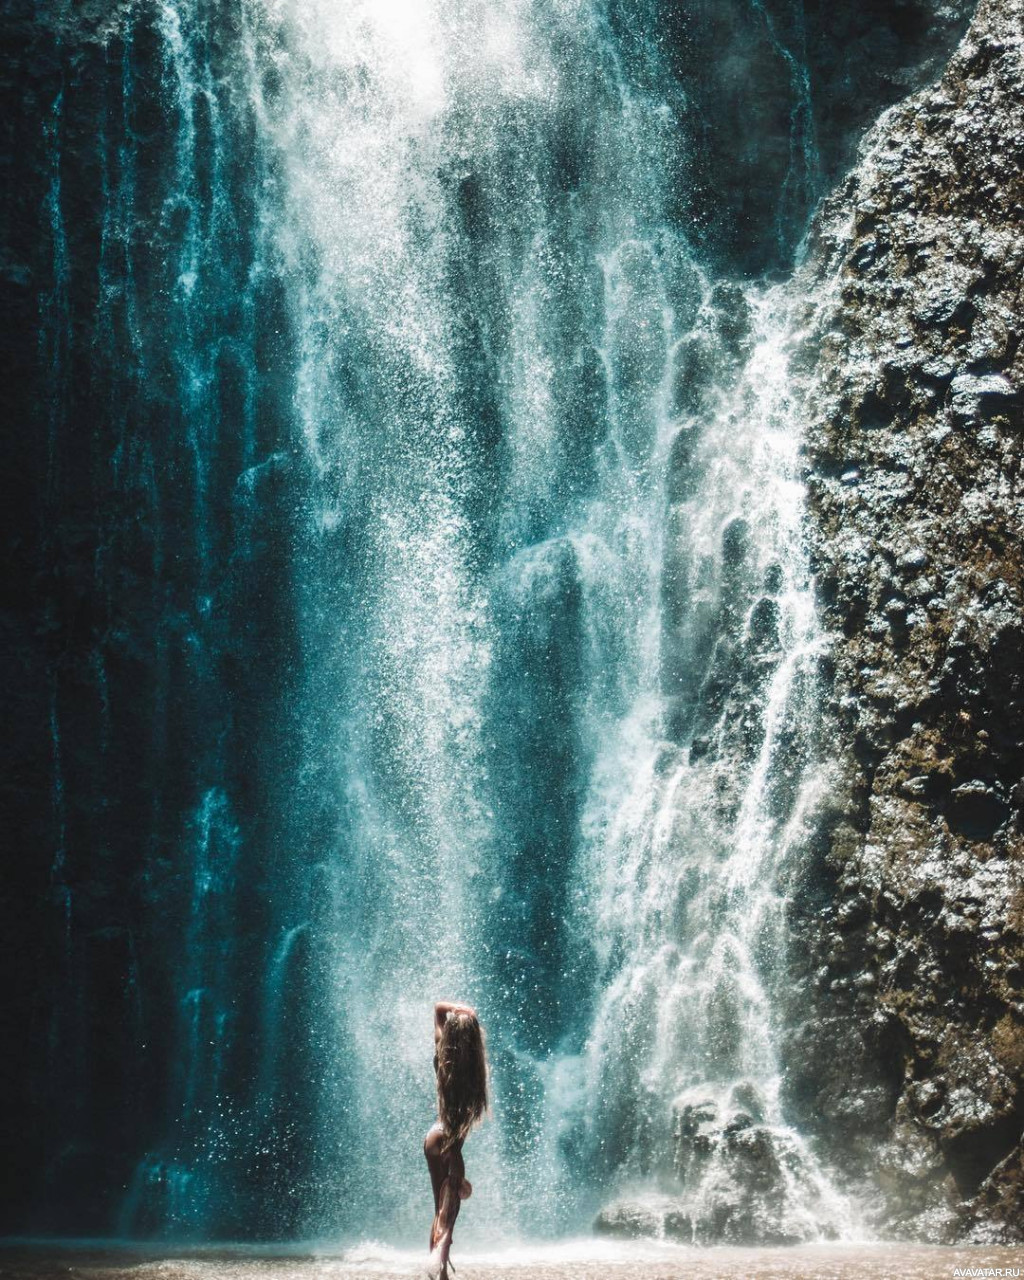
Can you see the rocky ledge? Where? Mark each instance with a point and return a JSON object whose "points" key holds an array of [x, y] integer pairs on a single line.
{"points": [[908, 1062]]}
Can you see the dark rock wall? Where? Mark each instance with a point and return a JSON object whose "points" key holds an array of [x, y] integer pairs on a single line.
{"points": [[146, 611], [915, 918], [771, 97]]}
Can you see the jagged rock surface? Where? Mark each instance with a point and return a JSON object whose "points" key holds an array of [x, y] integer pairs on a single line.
{"points": [[914, 921]]}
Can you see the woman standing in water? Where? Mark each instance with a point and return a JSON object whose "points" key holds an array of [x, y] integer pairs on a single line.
{"points": [[460, 1065]]}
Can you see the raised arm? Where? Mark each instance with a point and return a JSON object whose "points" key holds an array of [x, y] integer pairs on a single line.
{"points": [[441, 1011]]}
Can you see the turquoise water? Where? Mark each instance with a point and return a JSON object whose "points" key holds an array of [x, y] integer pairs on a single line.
{"points": [[485, 658], [504, 342]]}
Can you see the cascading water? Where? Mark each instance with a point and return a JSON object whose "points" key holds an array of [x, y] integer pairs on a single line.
{"points": [[697, 820], [518, 469], [499, 330]]}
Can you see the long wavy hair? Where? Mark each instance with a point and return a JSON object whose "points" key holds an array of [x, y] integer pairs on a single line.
{"points": [[461, 1076]]}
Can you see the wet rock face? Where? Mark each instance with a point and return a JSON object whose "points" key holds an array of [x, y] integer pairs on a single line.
{"points": [[913, 923], [776, 96], [746, 1182], [141, 680], [747, 1177]]}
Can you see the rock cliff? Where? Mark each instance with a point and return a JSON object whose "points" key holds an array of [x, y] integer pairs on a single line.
{"points": [[915, 915]]}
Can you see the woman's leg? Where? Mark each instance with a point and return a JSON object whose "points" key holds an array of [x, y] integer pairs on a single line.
{"points": [[448, 1175], [433, 1151], [444, 1225]]}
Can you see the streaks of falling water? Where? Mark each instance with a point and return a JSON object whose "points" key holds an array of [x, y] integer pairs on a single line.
{"points": [[694, 837], [803, 176], [206, 267], [556, 636], [486, 616], [397, 621], [484, 540], [174, 1190]]}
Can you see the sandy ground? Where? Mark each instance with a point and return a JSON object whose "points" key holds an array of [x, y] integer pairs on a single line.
{"points": [[582, 1260]]}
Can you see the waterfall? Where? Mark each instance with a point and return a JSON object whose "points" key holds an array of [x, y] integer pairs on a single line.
{"points": [[487, 656], [697, 820], [550, 555]]}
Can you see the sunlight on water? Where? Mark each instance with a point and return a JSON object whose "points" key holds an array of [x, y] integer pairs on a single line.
{"points": [[557, 651], [689, 914]]}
